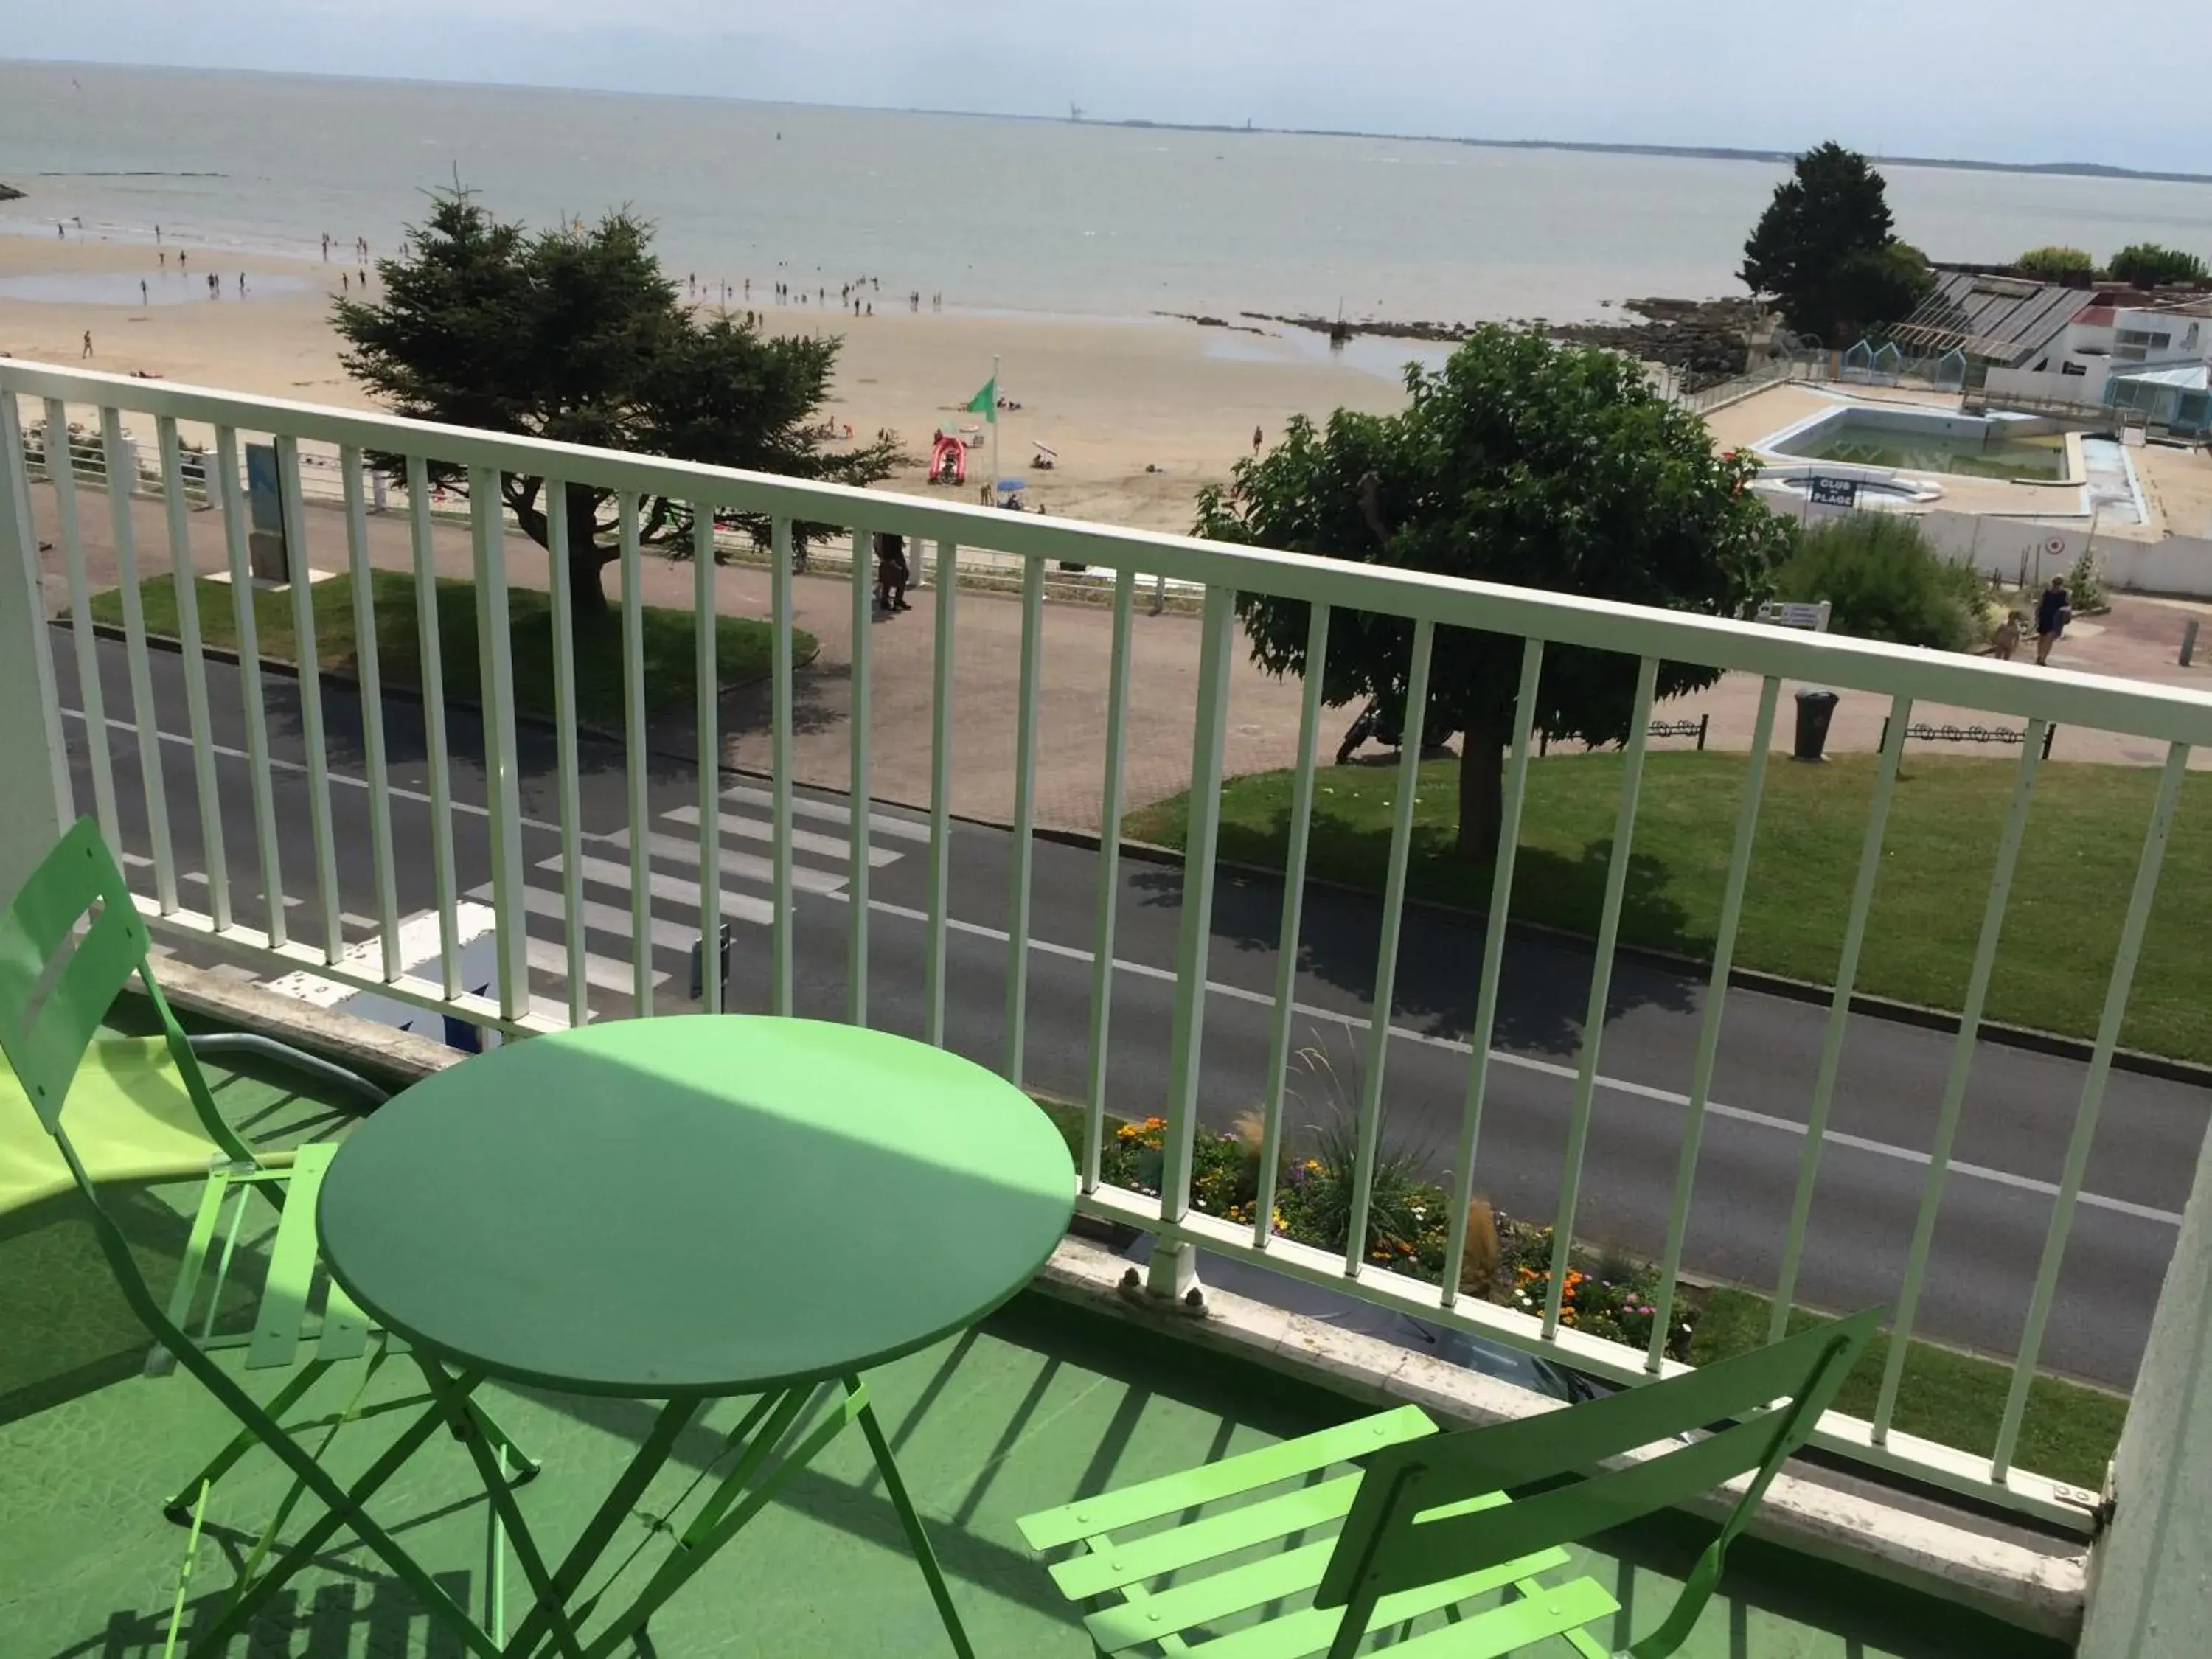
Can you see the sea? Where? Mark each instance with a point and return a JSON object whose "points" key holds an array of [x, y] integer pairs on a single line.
{"points": [[1085, 219]]}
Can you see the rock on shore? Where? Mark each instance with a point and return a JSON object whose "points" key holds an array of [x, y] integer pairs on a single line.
{"points": [[1708, 341], [8, 193]]}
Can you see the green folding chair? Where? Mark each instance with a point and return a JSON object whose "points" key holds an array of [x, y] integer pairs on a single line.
{"points": [[1432, 1522], [140, 1113]]}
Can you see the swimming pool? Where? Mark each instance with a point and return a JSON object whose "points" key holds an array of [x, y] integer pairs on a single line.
{"points": [[1907, 440]]}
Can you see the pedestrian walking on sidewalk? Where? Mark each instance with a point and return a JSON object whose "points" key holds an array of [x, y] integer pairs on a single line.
{"points": [[2053, 610]]}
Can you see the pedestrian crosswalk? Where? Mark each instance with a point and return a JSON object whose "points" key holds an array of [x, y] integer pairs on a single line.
{"points": [[821, 864]]}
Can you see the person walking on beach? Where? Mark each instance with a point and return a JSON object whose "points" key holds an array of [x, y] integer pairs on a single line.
{"points": [[141, 290], [345, 283], [88, 344], [180, 258], [2053, 610], [165, 261], [1258, 438], [326, 247], [241, 285]]}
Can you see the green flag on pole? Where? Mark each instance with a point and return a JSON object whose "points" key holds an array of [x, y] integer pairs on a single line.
{"points": [[986, 402]]}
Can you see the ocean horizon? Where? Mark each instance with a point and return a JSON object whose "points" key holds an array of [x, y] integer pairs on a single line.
{"points": [[991, 212]]}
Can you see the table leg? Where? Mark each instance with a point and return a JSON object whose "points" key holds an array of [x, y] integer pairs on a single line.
{"points": [[910, 1520], [553, 1595]]}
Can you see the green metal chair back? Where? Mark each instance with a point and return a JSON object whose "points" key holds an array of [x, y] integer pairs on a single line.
{"points": [[54, 995], [1410, 1525]]}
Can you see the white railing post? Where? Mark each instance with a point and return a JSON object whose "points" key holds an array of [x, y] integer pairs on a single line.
{"points": [[2149, 1596], [1173, 1265], [36, 808]]}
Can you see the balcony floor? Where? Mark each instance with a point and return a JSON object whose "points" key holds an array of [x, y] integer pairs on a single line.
{"points": [[1042, 1403]]}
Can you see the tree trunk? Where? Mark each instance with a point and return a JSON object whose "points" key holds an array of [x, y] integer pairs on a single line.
{"points": [[585, 557], [1481, 789]]}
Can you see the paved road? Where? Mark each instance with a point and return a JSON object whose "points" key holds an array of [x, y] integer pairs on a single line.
{"points": [[2019, 1108]]}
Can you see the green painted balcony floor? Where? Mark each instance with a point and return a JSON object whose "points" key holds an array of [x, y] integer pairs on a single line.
{"points": [[1044, 1402]]}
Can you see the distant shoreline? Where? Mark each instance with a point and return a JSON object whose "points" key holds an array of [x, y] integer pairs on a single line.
{"points": [[1673, 152], [1678, 152]]}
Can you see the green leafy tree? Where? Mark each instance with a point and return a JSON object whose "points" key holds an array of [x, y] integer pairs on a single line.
{"points": [[1518, 461], [2056, 262], [1883, 581], [1825, 251], [576, 335], [2146, 264]]}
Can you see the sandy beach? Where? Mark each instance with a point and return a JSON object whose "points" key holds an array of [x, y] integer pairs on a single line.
{"points": [[1112, 398]]}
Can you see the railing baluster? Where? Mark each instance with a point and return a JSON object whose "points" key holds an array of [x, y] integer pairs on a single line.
{"points": [[433, 719], [1709, 1031], [1600, 991], [784, 931], [1286, 935], [309, 660], [185, 578], [1109, 876], [1188, 1028], [1839, 1013], [372, 711], [1386, 958], [1017, 900], [17, 525], [708, 687], [144, 713], [247, 617], [61, 468], [941, 796], [2092, 1101], [634, 754], [563, 620], [496, 650], [1955, 1086], [1493, 965], [857, 797]]}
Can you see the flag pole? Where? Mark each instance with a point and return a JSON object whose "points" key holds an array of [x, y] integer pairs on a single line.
{"points": [[996, 473]]}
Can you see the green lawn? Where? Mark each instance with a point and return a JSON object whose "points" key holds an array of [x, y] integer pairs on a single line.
{"points": [[2068, 1431], [742, 650], [2062, 929]]}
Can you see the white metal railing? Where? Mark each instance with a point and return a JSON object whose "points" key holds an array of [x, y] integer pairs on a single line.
{"points": [[2179, 720]]}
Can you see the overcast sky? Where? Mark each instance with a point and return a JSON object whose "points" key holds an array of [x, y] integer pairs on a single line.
{"points": [[1993, 80]]}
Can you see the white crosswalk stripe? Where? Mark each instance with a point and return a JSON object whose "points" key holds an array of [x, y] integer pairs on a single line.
{"points": [[803, 841], [820, 865]]}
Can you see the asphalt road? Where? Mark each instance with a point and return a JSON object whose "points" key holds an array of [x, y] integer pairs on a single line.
{"points": [[2020, 1109]]}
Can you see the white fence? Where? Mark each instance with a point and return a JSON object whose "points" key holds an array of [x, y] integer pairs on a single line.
{"points": [[362, 837]]}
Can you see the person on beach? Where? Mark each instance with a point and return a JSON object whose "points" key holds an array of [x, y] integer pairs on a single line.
{"points": [[88, 344], [165, 261], [326, 247], [1258, 438], [345, 283], [2053, 610], [157, 236], [141, 290], [180, 258], [241, 285]]}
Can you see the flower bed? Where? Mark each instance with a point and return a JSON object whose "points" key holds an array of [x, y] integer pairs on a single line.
{"points": [[1507, 1262]]}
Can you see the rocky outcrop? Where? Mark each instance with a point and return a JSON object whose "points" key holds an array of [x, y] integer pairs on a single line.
{"points": [[1706, 341], [8, 193]]}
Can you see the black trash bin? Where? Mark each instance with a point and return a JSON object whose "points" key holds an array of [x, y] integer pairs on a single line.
{"points": [[1816, 707]]}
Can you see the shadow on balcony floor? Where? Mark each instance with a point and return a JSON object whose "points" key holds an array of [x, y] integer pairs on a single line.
{"points": [[1042, 1403]]}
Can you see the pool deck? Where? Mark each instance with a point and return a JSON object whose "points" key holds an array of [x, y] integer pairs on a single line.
{"points": [[1042, 1403]]}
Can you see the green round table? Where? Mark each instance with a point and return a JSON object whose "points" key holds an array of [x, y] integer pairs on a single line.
{"points": [[692, 1207]]}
